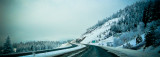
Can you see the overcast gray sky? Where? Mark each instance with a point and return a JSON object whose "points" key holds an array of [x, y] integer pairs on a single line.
{"points": [[50, 20]]}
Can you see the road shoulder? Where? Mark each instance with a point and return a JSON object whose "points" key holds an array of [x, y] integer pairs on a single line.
{"points": [[129, 53]]}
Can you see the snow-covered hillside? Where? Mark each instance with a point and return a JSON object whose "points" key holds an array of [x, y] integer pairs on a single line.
{"points": [[108, 33], [127, 28], [94, 35]]}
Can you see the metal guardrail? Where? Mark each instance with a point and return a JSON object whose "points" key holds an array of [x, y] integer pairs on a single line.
{"points": [[36, 52]]}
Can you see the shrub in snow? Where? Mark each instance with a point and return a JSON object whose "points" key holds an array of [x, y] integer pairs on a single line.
{"points": [[109, 44], [127, 36], [108, 35], [124, 38], [116, 28], [128, 45], [138, 39], [117, 42]]}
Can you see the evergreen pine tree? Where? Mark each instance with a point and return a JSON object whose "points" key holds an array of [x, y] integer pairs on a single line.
{"points": [[138, 39], [150, 37], [7, 46]]}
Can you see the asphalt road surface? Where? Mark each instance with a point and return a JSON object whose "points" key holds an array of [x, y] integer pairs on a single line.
{"points": [[95, 51]]}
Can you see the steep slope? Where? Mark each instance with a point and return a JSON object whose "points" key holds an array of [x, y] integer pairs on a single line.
{"points": [[94, 35], [127, 28], [114, 26]]}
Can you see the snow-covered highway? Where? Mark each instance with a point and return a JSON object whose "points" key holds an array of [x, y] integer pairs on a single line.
{"points": [[81, 50], [94, 51]]}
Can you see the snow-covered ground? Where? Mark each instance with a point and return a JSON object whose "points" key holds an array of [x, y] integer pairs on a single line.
{"points": [[65, 45], [93, 35], [130, 53], [55, 53], [133, 41]]}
